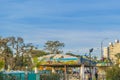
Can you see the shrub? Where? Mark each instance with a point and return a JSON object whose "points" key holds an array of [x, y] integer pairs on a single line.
{"points": [[50, 77], [113, 73]]}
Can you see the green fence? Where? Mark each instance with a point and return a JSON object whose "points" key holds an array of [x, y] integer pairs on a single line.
{"points": [[21, 75], [12, 76], [33, 76]]}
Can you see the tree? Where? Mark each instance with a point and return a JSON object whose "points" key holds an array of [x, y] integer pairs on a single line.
{"points": [[38, 53], [113, 73], [1, 64], [117, 55], [15, 52], [5, 51], [54, 47], [118, 58], [22, 52]]}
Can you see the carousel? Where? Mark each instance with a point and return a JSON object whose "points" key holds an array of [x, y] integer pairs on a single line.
{"points": [[66, 64]]}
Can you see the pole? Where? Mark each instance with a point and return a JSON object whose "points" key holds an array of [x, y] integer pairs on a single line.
{"points": [[82, 74], [90, 66], [65, 73], [102, 49], [90, 51]]}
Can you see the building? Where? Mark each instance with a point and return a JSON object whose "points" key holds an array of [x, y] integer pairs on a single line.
{"points": [[112, 50], [105, 50]]}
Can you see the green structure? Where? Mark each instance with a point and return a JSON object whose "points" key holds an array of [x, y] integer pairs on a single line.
{"points": [[19, 75]]}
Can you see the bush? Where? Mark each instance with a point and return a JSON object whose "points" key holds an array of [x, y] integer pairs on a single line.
{"points": [[50, 77], [1, 64], [113, 73]]}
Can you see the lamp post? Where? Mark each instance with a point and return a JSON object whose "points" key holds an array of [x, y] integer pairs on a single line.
{"points": [[102, 47], [90, 51]]}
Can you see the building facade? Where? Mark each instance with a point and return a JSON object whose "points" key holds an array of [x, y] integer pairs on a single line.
{"points": [[112, 50], [105, 52]]}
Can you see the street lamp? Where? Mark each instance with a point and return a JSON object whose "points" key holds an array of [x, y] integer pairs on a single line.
{"points": [[90, 51], [102, 47]]}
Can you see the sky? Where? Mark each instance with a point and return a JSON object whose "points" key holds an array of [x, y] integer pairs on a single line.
{"points": [[80, 24]]}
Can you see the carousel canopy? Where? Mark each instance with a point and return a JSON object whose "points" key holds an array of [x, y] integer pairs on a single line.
{"points": [[58, 57]]}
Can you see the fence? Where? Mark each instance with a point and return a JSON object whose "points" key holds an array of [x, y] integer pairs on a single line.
{"points": [[12, 76], [21, 75]]}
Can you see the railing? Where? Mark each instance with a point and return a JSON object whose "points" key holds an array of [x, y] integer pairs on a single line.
{"points": [[41, 75]]}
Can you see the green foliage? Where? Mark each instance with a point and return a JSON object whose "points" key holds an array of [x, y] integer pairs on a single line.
{"points": [[113, 73], [50, 77], [36, 62], [118, 58], [54, 47], [117, 55], [15, 52], [38, 53], [1, 64]]}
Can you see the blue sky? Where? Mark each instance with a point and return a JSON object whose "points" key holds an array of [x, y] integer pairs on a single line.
{"points": [[80, 24]]}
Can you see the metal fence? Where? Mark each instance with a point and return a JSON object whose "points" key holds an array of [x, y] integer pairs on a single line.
{"points": [[12, 76], [29, 75]]}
